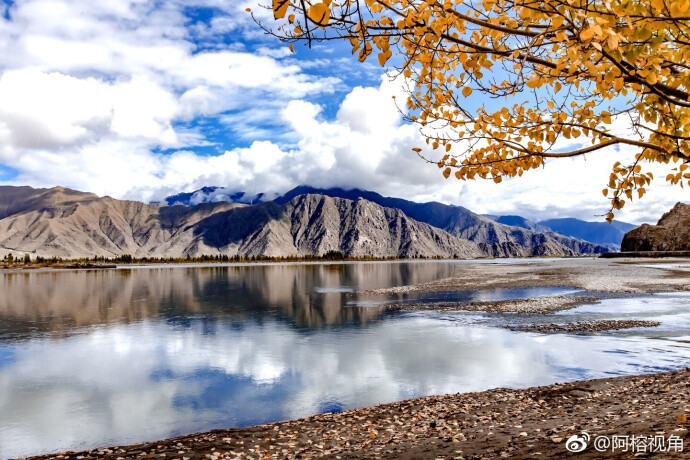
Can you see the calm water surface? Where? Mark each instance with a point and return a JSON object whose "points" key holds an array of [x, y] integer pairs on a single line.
{"points": [[94, 358]]}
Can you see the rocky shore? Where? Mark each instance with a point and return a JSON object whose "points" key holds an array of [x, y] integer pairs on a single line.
{"points": [[501, 423], [585, 326], [539, 305]]}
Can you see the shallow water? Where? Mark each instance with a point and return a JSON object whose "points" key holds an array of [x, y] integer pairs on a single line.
{"points": [[94, 358]]}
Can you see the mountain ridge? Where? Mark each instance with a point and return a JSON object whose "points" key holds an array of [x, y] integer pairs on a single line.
{"points": [[497, 239], [69, 223], [64, 223]]}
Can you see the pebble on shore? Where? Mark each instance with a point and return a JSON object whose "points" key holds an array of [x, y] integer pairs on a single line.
{"points": [[584, 326], [540, 305]]}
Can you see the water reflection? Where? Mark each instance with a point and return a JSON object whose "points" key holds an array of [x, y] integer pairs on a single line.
{"points": [[307, 295], [98, 358], [126, 383]]}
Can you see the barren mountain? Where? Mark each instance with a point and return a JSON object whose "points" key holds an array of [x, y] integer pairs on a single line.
{"points": [[494, 238], [67, 223], [671, 233]]}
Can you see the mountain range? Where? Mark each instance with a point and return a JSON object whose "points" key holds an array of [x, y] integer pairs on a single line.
{"points": [[305, 221], [495, 238], [602, 233]]}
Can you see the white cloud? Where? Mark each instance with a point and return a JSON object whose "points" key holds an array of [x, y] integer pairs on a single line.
{"points": [[90, 94]]}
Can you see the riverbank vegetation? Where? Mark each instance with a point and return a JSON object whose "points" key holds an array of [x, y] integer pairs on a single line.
{"points": [[27, 261]]}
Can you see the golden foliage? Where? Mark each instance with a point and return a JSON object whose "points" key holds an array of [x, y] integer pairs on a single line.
{"points": [[504, 85]]}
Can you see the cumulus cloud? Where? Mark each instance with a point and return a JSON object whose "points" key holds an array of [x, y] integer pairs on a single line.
{"points": [[138, 99]]}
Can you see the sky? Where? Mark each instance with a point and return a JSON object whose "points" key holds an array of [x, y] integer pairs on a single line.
{"points": [[143, 99]]}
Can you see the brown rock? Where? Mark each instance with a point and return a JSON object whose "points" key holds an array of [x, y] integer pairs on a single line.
{"points": [[671, 233]]}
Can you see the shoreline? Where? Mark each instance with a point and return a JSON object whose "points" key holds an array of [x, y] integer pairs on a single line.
{"points": [[77, 264], [497, 423]]}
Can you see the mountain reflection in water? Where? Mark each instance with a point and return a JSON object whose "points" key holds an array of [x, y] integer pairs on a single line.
{"points": [[305, 295], [96, 358]]}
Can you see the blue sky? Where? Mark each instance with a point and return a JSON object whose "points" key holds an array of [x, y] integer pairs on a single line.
{"points": [[141, 99]]}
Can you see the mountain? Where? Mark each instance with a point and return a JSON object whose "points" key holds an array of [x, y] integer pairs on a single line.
{"points": [[496, 239], [609, 235], [68, 223], [519, 221], [214, 195], [671, 233]]}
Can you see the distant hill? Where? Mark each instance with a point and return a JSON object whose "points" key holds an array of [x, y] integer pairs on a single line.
{"points": [[496, 239], [596, 232], [519, 221]]}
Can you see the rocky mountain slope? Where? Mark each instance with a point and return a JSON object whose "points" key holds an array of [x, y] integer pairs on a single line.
{"points": [[671, 233], [67, 223], [496, 239]]}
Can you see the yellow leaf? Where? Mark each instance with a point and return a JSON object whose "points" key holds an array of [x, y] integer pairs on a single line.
{"points": [[292, 47], [658, 4], [384, 56], [319, 14], [534, 81], [466, 91], [364, 52], [280, 8], [587, 33], [446, 173], [618, 84]]}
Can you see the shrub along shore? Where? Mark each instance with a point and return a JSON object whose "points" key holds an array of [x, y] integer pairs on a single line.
{"points": [[27, 261]]}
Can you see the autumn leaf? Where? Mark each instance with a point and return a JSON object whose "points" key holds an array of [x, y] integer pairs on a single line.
{"points": [[319, 14], [280, 8]]}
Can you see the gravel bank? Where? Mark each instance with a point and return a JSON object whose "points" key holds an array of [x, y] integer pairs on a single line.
{"points": [[585, 326], [604, 275], [501, 423], [542, 305]]}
